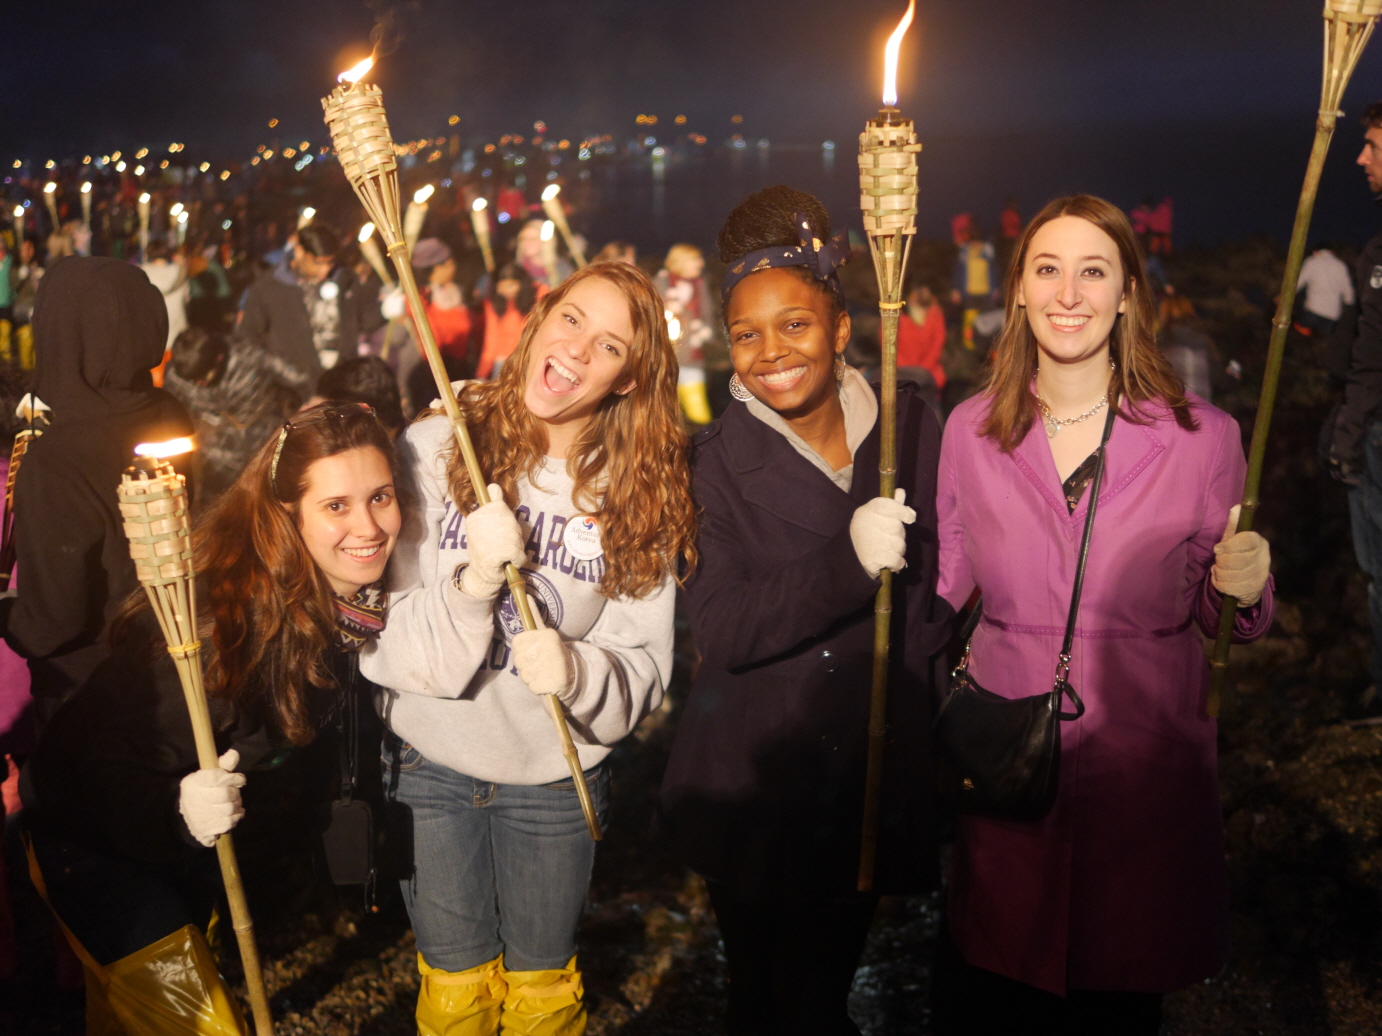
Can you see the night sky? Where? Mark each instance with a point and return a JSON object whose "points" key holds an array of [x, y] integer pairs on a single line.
{"points": [[1212, 102]]}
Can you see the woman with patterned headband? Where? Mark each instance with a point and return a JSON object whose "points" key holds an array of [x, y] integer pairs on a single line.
{"points": [[288, 561], [764, 791], [582, 437]]}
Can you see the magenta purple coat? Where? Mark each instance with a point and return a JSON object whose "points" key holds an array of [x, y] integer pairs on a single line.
{"points": [[1124, 885]]}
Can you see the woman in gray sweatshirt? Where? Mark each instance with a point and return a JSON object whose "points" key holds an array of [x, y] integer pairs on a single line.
{"points": [[582, 438]]}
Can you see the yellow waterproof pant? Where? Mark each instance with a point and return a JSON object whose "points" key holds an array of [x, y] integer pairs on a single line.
{"points": [[694, 402], [459, 1003], [544, 1003]]}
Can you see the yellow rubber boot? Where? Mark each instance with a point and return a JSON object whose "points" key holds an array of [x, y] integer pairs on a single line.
{"points": [[459, 1003], [694, 402], [544, 1003]]}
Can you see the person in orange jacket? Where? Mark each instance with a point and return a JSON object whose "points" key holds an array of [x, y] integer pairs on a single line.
{"points": [[510, 299]]}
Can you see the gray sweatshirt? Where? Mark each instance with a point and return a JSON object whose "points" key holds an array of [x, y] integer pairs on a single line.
{"points": [[451, 690]]}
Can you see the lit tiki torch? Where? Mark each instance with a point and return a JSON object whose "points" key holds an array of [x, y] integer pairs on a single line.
{"points": [[360, 133], [144, 200], [479, 222], [372, 254], [50, 199], [1347, 26], [556, 212], [153, 504], [888, 196]]}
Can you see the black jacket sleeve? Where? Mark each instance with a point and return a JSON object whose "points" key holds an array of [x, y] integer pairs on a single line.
{"points": [[1363, 391], [60, 536], [108, 766]]}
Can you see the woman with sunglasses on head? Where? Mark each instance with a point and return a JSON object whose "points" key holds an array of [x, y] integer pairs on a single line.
{"points": [[289, 562], [764, 792], [1080, 921], [581, 435]]}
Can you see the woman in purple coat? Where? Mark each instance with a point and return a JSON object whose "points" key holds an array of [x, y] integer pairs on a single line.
{"points": [[1081, 921]]}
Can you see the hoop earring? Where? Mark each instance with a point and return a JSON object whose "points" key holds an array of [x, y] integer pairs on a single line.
{"points": [[841, 368], [737, 390]]}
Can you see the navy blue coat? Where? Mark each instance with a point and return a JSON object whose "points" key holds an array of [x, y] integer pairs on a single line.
{"points": [[764, 788]]}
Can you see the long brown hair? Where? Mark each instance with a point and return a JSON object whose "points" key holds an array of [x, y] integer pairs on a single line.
{"points": [[630, 464], [265, 608], [1141, 373]]}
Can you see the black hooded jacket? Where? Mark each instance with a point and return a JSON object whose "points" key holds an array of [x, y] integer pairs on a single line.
{"points": [[99, 326]]}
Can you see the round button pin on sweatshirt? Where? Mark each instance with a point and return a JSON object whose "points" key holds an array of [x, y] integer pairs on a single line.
{"points": [[582, 539]]}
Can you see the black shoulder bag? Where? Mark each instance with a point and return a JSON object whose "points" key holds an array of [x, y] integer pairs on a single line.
{"points": [[1001, 756], [348, 841]]}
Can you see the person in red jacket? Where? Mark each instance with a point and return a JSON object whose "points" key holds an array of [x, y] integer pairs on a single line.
{"points": [[507, 305], [920, 341], [442, 297]]}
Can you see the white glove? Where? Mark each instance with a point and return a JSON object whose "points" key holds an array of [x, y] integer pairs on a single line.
{"points": [[493, 539], [877, 534], [1242, 563], [393, 305], [210, 799], [544, 662]]}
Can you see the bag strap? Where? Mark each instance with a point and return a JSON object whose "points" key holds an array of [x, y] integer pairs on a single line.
{"points": [[36, 876], [1063, 663]]}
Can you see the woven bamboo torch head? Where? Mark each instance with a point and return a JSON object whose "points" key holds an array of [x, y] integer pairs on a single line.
{"points": [[153, 506], [887, 154], [1363, 8], [359, 128]]}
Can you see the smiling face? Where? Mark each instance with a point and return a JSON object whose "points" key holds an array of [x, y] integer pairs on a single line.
{"points": [[784, 339], [578, 356], [1072, 288], [349, 517]]}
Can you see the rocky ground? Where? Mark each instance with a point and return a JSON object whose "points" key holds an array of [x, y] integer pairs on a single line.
{"points": [[1302, 792]]}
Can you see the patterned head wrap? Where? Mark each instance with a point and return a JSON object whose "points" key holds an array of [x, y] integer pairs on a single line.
{"points": [[822, 260]]}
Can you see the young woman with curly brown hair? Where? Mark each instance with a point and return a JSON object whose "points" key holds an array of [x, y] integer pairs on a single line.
{"points": [[581, 435], [289, 561]]}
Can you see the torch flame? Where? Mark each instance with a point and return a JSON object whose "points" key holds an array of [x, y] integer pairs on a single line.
{"points": [[550, 191], [86, 187], [354, 74], [548, 229], [19, 212], [366, 232], [144, 198], [161, 450], [479, 205], [421, 195], [890, 56], [50, 187]]}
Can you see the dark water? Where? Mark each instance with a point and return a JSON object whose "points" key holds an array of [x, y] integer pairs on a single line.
{"points": [[1228, 181]]}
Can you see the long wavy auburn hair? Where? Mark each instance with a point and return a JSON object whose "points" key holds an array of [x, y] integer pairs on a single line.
{"points": [[264, 605], [1141, 373], [630, 464]]}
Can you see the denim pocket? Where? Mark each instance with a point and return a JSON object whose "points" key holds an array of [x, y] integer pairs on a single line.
{"points": [[398, 754]]}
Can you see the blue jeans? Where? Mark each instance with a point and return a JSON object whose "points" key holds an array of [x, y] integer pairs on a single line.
{"points": [[496, 868], [1365, 512]]}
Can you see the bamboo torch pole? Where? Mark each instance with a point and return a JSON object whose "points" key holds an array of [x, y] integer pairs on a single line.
{"points": [[1347, 26], [354, 113], [153, 504], [888, 196]]}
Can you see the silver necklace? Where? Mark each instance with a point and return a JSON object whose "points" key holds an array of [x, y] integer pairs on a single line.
{"points": [[1054, 424]]}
